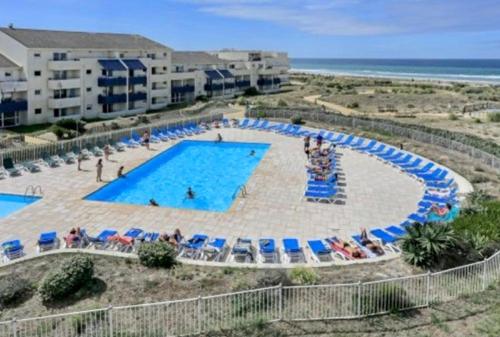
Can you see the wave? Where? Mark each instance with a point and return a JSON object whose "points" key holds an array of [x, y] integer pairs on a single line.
{"points": [[405, 75]]}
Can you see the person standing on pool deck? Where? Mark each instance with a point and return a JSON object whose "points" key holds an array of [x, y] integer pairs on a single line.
{"points": [[120, 172], [79, 160], [219, 138], [190, 193], [145, 139], [99, 170]]}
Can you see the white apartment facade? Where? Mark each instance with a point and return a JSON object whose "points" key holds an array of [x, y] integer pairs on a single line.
{"points": [[46, 75]]}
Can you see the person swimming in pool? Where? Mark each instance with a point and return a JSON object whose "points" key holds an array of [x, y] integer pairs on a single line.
{"points": [[190, 193], [252, 153], [152, 202]]}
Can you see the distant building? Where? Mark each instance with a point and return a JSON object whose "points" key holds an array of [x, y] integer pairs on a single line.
{"points": [[49, 75]]}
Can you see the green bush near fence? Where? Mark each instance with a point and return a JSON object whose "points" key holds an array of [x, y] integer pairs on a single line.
{"points": [[73, 273], [13, 289], [157, 255]]}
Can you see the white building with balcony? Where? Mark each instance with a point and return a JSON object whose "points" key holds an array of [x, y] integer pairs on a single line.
{"points": [[49, 75]]}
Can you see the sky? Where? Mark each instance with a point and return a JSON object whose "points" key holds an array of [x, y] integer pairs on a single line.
{"points": [[303, 28]]}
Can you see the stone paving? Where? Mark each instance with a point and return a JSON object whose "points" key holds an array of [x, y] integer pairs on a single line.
{"points": [[376, 195]]}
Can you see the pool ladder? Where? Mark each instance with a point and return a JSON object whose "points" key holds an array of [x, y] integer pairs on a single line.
{"points": [[33, 189], [242, 189]]}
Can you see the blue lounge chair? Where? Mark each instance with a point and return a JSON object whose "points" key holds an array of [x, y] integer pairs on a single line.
{"points": [[395, 230], [134, 233], [150, 237], [320, 252], [378, 149], [101, 241], [384, 236], [368, 252], [337, 139], [13, 171], [414, 217], [12, 250], [292, 251], [440, 185], [394, 157], [402, 161], [243, 250], [414, 164], [263, 126], [424, 169], [267, 250], [358, 142], [47, 241], [258, 124], [243, 124], [192, 248], [215, 249], [275, 127], [367, 147], [316, 196], [388, 153], [130, 142], [225, 122], [253, 125], [346, 142]]}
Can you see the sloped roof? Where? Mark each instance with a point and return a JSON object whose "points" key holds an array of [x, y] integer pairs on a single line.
{"points": [[34, 38], [194, 57], [6, 63]]}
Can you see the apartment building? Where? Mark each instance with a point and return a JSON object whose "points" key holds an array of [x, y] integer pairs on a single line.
{"points": [[49, 75]]}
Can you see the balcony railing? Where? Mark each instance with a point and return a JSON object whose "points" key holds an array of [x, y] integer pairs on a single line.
{"points": [[13, 86], [263, 82], [214, 87], [111, 81], [112, 99], [137, 96], [182, 89], [13, 106], [137, 80], [229, 85], [64, 102], [243, 84]]}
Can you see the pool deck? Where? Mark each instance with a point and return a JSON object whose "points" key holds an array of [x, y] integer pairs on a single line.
{"points": [[376, 195]]}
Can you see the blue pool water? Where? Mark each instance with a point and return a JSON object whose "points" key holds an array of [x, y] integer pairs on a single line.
{"points": [[213, 170], [10, 203]]}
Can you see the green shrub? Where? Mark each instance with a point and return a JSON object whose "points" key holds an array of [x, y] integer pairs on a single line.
{"points": [[303, 276], [481, 218], [282, 102], [252, 91], [273, 278], [13, 289], [157, 254], [202, 98], [296, 119], [58, 131], [71, 124], [384, 298], [452, 117], [261, 114], [494, 117], [73, 273]]}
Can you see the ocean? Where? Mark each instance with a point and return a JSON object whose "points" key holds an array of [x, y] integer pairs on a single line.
{"points": [[472, 70]]}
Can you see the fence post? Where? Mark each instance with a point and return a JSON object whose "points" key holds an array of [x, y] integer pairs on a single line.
{"points": [[428, 290], [280, 298], [110, 320], [484, 274], [358, 309], [199, 318], [14, 327]]}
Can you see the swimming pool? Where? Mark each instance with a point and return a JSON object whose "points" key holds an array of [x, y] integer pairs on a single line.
{"points": [[213, 170], [10, 203]]}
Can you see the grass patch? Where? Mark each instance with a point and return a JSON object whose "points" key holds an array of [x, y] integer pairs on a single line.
{"points": [[31, 128]]}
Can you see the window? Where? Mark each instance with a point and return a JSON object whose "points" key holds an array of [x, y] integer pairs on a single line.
{"points": [[60, 56], [38, 92], [89, 89], [89, 107], [89, 71], [7, 74], [38, 111], [38, 73], [36, 55], [56, 113], [122, 55]]}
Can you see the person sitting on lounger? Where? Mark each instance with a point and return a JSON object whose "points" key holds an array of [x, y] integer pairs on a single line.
{"points": [[73, 238], [366, 242], [152, 202], [178, 236], [441, 211], [168, 239], [354, 251], [190, 193]]}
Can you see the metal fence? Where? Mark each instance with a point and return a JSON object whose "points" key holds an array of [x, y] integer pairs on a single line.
{"points": [[296, 303], [33, 152], [318, 115]]}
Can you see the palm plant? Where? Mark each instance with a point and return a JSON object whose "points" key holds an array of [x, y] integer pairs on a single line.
{"points": [[423, 244]]}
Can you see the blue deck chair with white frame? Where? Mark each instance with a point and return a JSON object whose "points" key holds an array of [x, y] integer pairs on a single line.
{"points": [[267, 251], [215, 249], [387, 239], [396, 230], [193, 247], [102, 240], [366, 147], [243, 251], [320, 252], [292, 251], [376, 150], [11, 250], [47, 241], [244, 123]]}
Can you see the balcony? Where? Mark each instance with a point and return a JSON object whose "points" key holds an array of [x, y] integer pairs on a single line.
{"points": [[13, 106], [213, 87], [64, 102], [137, 96], [112, 99], [137, 80], [158, 62], [65, 65], [66, 83], [264, 82], [277, 80], [243, 84], [182, 89], [159, 92], [159, 77], [111, 81], [13, 86], [229, 85]]}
